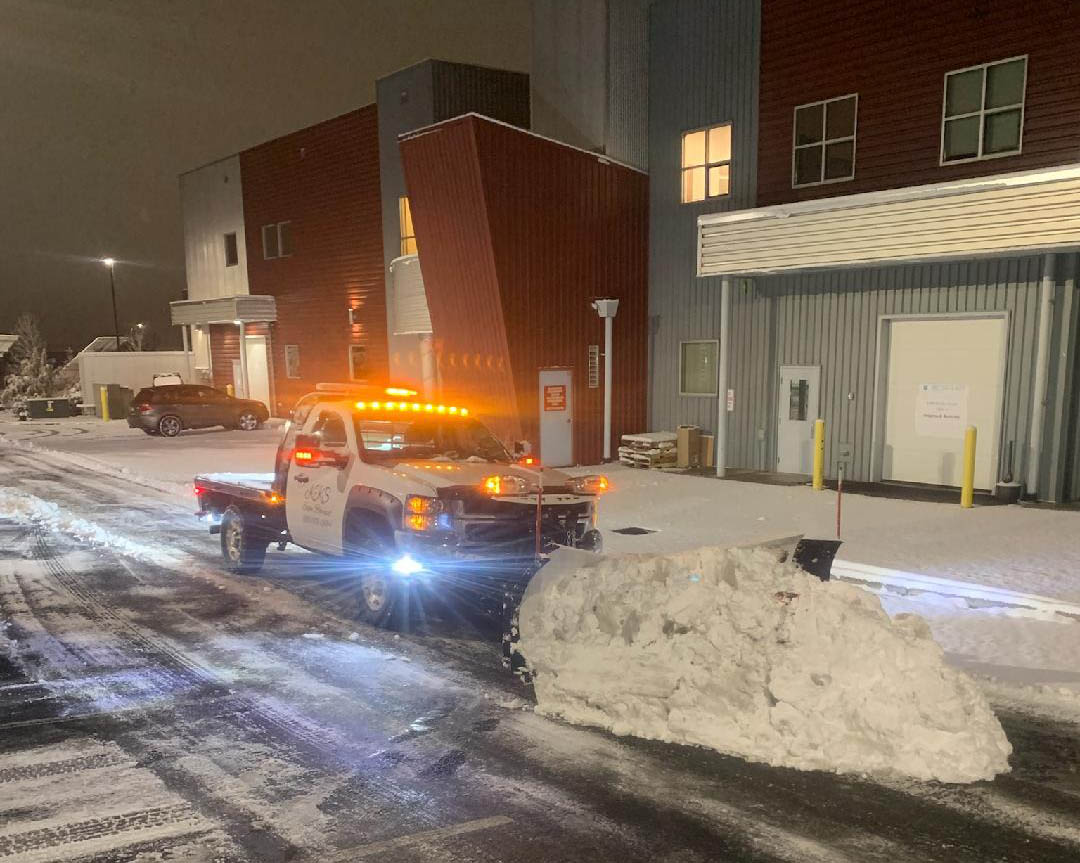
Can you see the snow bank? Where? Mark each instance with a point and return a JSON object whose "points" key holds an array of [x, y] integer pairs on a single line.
{"points": [[20, 506], [727, 648]]}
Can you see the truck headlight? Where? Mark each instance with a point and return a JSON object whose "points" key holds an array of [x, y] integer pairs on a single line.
{"points": [[417, 504], [417, 522], [591, 484], [505, 484]]}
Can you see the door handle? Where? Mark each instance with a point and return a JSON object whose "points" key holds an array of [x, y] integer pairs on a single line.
{"points": [[302, 478]]}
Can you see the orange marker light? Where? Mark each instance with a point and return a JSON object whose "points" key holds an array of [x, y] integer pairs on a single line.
{"points": [[453, 410], [415, 406], [464, 412], [375, 405], [441, 409], [493, 484], [360, 406], [429, 408], [399, 391]]}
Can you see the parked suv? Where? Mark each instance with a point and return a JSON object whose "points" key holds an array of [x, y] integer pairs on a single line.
{"points": [[167, 410]]}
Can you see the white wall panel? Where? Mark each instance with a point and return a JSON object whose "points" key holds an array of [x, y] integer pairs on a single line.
{"points": [[213, 205]]}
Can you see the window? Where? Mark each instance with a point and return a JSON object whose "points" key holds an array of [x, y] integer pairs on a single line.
{"points": [[232, 253], [405, 227], [824, 141], [358, 362], [330, 429], [292, 361], [277, 240], [706, 163], [983, 111], [697, 368]]}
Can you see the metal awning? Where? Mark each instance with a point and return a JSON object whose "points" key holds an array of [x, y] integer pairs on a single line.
{"points": [[6, 342], [224, 310], [1025, 212]]}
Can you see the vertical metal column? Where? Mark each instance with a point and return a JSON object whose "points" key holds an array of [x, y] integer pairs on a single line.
{"points": [[1042, 369], [722, 376], [608, 323], [243, 360], [187, 351]]}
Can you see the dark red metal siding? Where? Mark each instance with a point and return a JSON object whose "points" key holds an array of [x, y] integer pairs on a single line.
{"points": [[555, 228], [895, 56], [325, 180], [225, 348]]}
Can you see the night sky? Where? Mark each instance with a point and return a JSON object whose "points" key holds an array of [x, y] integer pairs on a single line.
{"points": [[105, 102]]}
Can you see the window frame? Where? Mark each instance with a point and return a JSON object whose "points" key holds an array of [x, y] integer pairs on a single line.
{"points": [[276, 230], [235, 249], [824, 142], [716, 381], [982, 112], [405, 207], [729, 161]]}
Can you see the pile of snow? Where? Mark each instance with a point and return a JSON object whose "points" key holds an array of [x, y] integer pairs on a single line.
{"points": [[727, 648]]}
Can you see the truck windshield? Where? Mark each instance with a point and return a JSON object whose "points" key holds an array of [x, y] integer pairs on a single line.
{"points": [[448, 440]]}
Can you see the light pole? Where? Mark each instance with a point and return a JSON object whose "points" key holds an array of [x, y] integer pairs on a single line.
{"points": [[110, 263], [606, 308]]}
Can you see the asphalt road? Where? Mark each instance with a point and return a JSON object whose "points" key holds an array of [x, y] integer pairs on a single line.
{"points": [[152, 707]]}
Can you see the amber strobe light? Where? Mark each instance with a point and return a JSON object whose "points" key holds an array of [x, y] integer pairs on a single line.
{"points": [[413, 407]]}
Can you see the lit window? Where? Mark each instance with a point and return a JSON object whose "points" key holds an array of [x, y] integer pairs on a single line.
{"points": [[706, 163], [358, 369], [232, 252], [983, 114], [697, 368], [405, 227], [292, 361], [277, 240], [824, 141]]}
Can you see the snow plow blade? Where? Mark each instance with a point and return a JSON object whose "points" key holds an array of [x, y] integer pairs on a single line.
{"points": [[816, 556]]}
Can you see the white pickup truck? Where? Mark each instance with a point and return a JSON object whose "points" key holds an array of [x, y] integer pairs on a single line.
{"points": [[404, 490]]}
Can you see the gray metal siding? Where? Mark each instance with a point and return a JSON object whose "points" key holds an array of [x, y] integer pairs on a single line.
{"points": [[831, 319], [703, 70], [627, 134]]}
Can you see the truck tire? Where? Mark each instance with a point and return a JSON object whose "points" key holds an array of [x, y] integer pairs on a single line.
{"points": [[242, 548], [370, 539]]}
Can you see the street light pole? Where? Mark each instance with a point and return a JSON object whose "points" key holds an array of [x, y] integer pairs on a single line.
{"points": [[110, 263]]}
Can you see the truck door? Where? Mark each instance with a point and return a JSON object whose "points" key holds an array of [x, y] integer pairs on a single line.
{"points": [[317, 492]]}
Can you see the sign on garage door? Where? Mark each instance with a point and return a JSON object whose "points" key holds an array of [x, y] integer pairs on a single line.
{"points": [[943, 375]]}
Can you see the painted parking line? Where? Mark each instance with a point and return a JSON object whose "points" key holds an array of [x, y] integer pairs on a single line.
{"points": [[361, 851]]}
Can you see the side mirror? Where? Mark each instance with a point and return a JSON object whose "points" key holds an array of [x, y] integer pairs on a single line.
{"points": [[308, 452]]}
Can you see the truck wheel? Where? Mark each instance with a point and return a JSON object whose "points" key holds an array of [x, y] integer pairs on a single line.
{"points": [[370, 539], [170, 426], [242, 548]]}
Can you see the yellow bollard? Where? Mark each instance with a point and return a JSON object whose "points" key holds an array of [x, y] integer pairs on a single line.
{"points": [[105, 404], [967, 490], [230, 389], [819, 455]]}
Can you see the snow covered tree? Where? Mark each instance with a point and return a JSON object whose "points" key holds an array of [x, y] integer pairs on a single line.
{"points": [[32, 374]]}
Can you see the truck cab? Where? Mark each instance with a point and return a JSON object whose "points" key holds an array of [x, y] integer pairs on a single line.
{"points": [[405, 488]]}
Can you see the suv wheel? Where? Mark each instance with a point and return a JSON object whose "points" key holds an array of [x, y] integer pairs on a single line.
{"points": [[243, 549], [369, 539], [170, 425], [247, 421]]}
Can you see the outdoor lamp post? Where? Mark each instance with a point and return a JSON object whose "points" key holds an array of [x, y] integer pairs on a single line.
{"points": [[110, 263]]}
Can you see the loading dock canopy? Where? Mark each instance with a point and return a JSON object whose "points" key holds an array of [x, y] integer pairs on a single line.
{"points": [[1008, 213]]}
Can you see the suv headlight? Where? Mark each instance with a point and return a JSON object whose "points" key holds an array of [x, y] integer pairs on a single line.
{"points": [[591, 484]]}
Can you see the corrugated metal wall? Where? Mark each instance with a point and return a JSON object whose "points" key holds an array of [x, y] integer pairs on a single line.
{"points": [[516, 235], [895, 55], [325, 181], [627, 135], [703, 70], [458, 88], [831, 320]]}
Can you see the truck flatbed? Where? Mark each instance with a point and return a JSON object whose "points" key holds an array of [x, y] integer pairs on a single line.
{"points": [[251, 486]]}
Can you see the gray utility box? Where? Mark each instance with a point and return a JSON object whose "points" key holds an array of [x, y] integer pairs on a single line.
{"points": [[119, 399], [43, 408]]}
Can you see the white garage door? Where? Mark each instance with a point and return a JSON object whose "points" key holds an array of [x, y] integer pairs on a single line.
{"points": [[943, 375]]}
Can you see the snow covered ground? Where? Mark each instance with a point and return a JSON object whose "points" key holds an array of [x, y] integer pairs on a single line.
{"points": [[1026, 549]]}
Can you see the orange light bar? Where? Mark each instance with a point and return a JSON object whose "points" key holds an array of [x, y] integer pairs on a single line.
{"points": [[399, 391], [415, 407]]}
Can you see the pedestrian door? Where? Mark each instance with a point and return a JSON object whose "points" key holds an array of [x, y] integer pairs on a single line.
{"points": [[798, 408], [556, 418], [258, 373]]}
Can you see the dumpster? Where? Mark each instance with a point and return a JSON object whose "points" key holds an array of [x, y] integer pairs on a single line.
{"points": [[49, 408]]}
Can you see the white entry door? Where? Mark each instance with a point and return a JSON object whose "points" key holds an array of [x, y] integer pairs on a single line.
{"points": [[258, 372], [798, 408], [944, 374], [556, 418]]}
